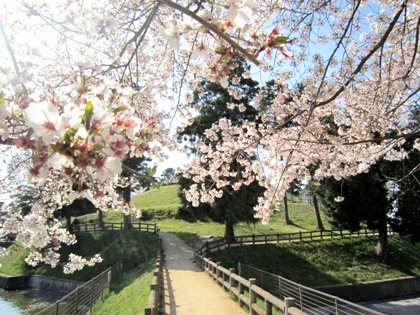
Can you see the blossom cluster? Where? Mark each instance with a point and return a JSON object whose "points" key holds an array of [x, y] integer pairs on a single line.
{"points": [[78, 263]]}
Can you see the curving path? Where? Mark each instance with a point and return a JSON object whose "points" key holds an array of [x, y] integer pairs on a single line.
{"points": [[189, 290]]}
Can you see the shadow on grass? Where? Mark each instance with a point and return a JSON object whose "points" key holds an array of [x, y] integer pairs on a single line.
{"points": [[296, 225], [349, 260], [403, 255], [131, 276], [133, 248], [267, 258]]}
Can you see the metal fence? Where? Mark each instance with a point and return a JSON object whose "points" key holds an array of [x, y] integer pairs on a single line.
{"points": [[81, 300], [308, 300]]}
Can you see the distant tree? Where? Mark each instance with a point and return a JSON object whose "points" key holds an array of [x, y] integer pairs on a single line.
{"points": [[406, 218], [365, 203], [168, 176], [295, 188], [213, 102], [77, 208], [233, 207], [133, 166]]}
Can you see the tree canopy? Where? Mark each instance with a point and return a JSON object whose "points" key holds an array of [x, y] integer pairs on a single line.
{"points": [[213, 102]]}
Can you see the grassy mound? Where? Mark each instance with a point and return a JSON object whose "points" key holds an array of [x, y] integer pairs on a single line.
{"points": [[132, 247], [130, 295], [158, 203], [329, 262]]}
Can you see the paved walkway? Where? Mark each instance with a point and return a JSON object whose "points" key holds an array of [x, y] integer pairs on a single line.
{"points": [[189, 290], [397, 307]]}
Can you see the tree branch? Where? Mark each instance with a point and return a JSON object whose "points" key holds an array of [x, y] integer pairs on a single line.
{"points": [[366, 58], [212, 28]]}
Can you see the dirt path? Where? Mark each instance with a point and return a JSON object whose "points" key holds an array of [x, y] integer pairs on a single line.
{"points": [[189, 290]]}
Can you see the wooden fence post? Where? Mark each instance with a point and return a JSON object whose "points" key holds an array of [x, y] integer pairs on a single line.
{"points": [[252, 295], [268, 308], [231, 270], [288, 302]]}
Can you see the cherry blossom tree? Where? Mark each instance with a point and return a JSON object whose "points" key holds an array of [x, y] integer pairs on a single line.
{"points": [[81, 83]]}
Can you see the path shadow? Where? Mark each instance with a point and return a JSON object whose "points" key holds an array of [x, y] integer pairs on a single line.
{"points": [[169, 303]]}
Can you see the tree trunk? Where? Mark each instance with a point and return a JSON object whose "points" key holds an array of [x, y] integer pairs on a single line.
{"points": [[128, 225], [126, 194], [319, 224], [382, 247], [229, 231], [68, 220], [286, 210], [100, 218]]}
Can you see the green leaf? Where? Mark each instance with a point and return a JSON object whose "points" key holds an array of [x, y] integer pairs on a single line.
{"points": [[151, 170], [221, 50], [87, 115], [2, 101], [119, 109], [69, 135], [281, 39], [97, 147]]}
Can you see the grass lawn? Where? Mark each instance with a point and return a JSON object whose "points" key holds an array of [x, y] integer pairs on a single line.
{"points": [[129, 296], [13, 262], [133, 248], [348, 260]]}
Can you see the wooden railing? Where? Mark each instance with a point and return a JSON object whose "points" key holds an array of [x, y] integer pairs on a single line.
{"points": [[294, 300], [113, 226], [157, 286], [282, 238], [245, 291]]}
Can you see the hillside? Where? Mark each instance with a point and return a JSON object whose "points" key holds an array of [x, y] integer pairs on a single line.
{"points": [[161, 198]]}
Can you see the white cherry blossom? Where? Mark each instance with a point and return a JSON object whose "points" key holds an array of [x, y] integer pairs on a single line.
{"points": [[240, 11], [45, 119], [171, 33]]}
